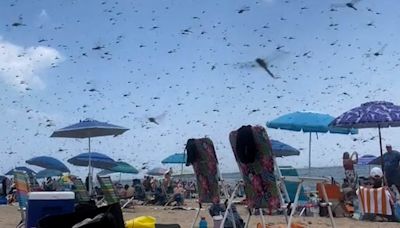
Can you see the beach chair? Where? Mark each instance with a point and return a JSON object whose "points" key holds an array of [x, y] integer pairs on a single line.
{"points": [[81, 195], [253, 153], [106, 185], [201, 155], [21, 180], [376, 201]]}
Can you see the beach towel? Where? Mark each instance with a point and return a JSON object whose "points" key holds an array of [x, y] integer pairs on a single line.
{"points": [[204, 161], [260, 183], [22, 186], [374, 200]]}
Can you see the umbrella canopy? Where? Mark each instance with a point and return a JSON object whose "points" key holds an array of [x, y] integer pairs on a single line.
{"points": [[281, 149], [123, 167], [366, 159], [49, 173], [21, 168], [48, 163], [308, 122], [175, 159], [157, 171], [374, 114], [89, 128], [98, 160]]}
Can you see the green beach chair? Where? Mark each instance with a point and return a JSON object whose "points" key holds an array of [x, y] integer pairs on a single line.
{"points": [[291, 186], [81, 195], [109, 192], [21, 180]]}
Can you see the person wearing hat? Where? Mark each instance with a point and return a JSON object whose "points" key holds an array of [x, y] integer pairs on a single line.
{"points": [[391, 161], [376, 177]]}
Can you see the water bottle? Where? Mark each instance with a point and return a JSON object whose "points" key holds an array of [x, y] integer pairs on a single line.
{"points": [[203, 223]]}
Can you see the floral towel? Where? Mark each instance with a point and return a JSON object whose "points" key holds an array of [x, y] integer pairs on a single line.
{"points": [[205, 168], [259, 179]]}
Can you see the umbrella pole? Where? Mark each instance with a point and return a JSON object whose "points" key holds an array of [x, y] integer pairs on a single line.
{"points": [[380, 147], [90, 171], [309, 154]]}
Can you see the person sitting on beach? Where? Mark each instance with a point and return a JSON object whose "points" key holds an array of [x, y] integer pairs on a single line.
{"points": [[375, 178], [349, 171], [391, 161], [178, 195]]}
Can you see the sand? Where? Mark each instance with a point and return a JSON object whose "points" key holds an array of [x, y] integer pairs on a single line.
{"points": [[10, 216]]}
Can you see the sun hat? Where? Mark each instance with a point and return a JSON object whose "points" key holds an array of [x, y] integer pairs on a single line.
{"points": [[376, 171]]}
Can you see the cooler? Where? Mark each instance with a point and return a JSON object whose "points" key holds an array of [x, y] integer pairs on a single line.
{"points": [[41, 204]]}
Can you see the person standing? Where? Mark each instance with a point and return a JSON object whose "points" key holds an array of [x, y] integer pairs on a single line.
{"points": [[391, 161], [349, 171]]}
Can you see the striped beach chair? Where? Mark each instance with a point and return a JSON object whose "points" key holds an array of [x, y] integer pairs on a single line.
{"points": [[81, 195], [375, 201], [22, 189], [109, 192]]}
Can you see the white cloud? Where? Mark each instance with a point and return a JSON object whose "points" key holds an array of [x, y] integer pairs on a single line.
{"points": [[21, 67]]}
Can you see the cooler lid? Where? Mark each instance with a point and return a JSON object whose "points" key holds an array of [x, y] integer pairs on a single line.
{"points": [[51, 195]]}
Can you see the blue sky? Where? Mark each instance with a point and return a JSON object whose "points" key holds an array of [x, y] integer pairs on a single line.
{"points": [[189, 63]]}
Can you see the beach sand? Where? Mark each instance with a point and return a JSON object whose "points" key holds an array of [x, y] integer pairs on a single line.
{"points": [[10, 216]]}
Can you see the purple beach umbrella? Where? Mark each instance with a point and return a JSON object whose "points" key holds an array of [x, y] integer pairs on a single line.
{"points": [[375, 114]]}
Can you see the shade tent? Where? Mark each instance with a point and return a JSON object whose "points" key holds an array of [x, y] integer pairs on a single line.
{"points": [[48, 163], [21, 168], [308, 122], [366, 159], [89, 128], [375, 114]]}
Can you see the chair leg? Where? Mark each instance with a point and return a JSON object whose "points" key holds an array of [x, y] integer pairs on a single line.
{"points": [[128, 202], [196, 217], [248, 219], [228, 209], [296, 199], [325, 196], [262, 217]]}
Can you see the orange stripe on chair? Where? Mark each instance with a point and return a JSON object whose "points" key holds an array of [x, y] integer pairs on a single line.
{"points": [[374, 200]]}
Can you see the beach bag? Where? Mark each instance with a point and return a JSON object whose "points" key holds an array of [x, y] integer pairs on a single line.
{"points": [[141, 222]]}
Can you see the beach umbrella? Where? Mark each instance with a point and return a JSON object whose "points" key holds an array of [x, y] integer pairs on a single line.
{"points": [[157, 171], [281, 149], [308, 122], [21, 168], [48, 163], [49, 173], [89, 128], [374, 114], [366, 159], [123, 167], [177, 158], [94, 159]]}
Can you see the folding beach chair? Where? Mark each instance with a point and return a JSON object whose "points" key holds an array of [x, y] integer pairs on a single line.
{"points": [[375, 201], [253, 153], [201, 155], [109, 192], [81, 195], [22, 189]]}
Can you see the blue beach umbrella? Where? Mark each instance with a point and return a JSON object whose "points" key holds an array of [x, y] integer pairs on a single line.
{"points": [[374, 114], [281, 149], [308, 122], [21, 168], [178, 158], [366, 159], [89, 128], [97, 160], [49, 173], [48, 163], [123, 167]]}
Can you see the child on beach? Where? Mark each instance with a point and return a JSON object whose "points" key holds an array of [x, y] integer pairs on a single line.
{"points": [[349, 171]]}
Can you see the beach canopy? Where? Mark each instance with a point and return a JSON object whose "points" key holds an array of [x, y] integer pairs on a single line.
{"points": [[49, 173], [178, 158], [157, 171], [122, 167], [98, 160], [281, 149], [308, 122], [374, 114], [366, 159], [20, 168], [48, 163]]}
